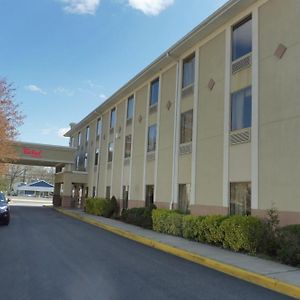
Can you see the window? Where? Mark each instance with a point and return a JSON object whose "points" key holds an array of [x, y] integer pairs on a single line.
{"points": [[125, 196], [77, 163], [113, 118], [71, 143], [127, 146], [154, 92], [130, 103], [240, 198], [186, 127], [241, 109], [151, 138], [149, 195], [188, 71], [107, 192], [96, 157], [184, 194], [242, 38], [87, 134], [94, 192], [99, 127], [79, 139], [85, 161], [110, 151]]}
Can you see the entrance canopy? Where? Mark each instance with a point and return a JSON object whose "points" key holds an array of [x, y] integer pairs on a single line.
{"points": [[44, 155]]}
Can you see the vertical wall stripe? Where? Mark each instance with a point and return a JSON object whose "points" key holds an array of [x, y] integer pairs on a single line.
{"points": [[114, 153], [157, 138], [132, 137], [226, 117], [123, 147], [255, 110], [175, 141], [195, 128], [146, 142]]}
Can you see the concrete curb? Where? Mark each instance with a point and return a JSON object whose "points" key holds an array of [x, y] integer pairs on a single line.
{"points": [[258, 279]]}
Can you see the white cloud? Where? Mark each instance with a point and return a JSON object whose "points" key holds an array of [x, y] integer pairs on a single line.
{"points": [[81, 7], [102, 96], [35, 89], [62, 131], [150, 7], [63, 91]]}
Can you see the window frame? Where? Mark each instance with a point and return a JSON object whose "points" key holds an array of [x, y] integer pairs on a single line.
{"points": [[234, 44], [186, 63], [149, 148], [110, 154], [155, 102], [183, 136], [127, 151], [98, 127], [96, 162], [130, 100], [113, 118], [87, 134], [79, 138], [232, 112]]}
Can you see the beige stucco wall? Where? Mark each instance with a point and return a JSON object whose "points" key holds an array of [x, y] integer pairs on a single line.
{"points": [[209, 164], [165, 144], [138, 152], [279, 144]]}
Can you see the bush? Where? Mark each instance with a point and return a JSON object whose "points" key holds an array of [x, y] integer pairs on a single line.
{"points": [[141, 216], [102, 207], [289, 245], [242, 233], [210, 230], [190, 225], [167, 221]]}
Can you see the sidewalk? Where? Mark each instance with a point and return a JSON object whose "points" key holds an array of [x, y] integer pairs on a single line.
{"points": [[281, 278]]}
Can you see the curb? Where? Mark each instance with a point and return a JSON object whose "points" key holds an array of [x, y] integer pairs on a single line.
{"points": [[257, 279]]}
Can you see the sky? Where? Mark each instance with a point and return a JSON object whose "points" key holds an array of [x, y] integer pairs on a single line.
{"points": [[65, 57]]}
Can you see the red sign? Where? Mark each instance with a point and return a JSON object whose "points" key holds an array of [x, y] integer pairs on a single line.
{"points": [[32, 153]]}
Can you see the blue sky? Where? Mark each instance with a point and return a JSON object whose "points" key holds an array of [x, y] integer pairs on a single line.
{"points": [[66, 57]]}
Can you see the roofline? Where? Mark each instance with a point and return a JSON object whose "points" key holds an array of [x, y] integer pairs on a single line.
{"points": [[165, 55], [65, 148]]}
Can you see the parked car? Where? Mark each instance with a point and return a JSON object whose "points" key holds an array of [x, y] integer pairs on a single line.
{"points": [[4, 210]]}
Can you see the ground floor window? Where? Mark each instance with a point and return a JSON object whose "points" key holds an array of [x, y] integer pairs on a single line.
{"points": [[184, 194], [149, 195], [94, 192], [125, 196], [240, 198], [107, 193], [86, 194]]}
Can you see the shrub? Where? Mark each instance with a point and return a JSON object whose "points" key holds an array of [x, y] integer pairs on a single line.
{"points": [[211, 231], [140, 216], [189, 226], [289, 245], [102, 207], [242, 233], [167, 221]]}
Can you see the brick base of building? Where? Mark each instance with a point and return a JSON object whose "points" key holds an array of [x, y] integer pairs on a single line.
{"points": [[67, 202]]}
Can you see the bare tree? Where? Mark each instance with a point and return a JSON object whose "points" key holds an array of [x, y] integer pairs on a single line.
{"points": [[10, 119]]}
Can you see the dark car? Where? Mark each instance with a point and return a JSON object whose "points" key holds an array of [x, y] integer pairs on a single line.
{"points": [[4, 210]]}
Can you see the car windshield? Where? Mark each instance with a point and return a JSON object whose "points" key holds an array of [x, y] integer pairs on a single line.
{"points": [[2, 198]]}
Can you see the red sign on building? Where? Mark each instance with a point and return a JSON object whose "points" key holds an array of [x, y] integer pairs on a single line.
{"points": [[32, 153]]}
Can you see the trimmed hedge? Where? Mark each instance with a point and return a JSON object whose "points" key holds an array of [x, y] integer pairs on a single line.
{"points": [[239, 233], [141, 216], [167, 221], [102, 207], [242, 233]]}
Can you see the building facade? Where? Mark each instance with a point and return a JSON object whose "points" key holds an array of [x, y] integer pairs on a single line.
{"points": [[210, 126]]}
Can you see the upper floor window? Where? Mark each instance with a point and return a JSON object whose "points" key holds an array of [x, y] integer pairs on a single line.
{"points": [[188, 71], [151, 138], [99, 127], [241, 109], [79, 138], [113, 118], [77, 162], [186, 127], [87, 134], [127, 146], [154, 90], [96, 157], [130, 107], [71, 142], [242, 38], [85, 161], [110, 151]]}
